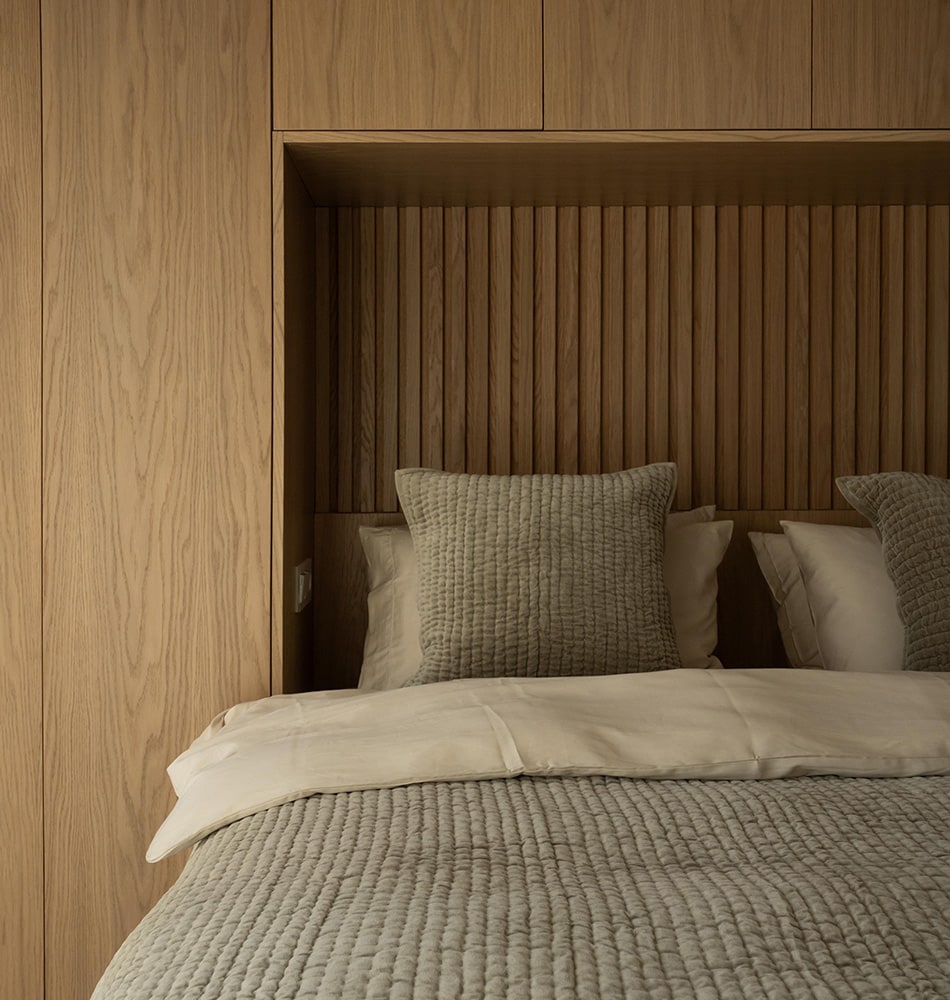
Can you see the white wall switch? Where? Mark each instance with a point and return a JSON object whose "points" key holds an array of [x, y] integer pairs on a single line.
{"points": [[303, 584]]}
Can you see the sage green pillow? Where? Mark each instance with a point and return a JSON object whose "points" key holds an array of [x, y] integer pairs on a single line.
{"points": [[527, 576], [912, 514]]}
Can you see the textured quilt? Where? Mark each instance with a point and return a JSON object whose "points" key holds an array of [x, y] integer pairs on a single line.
{"points": [[531, 888]]}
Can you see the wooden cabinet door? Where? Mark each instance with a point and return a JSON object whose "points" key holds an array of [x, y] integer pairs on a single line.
{"points": [[882, 64], [21, 683], [676, 64], [407, 64], [156, 442]]}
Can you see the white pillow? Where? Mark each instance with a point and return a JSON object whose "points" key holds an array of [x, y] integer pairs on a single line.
{"points": [[780, 568], [852, 599], [392, 652]]}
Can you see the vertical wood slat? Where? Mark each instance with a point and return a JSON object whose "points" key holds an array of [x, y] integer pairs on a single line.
{"points": [[743, 342], [705, 356], [938, 340], [681, 350], [347, 343], [323, 358], [453, 389], [820, 356], [658, 333], [797, 364], [729, 353], [476, 342], [522, 340], [868, 381], [410, 337], [892, 337], [568, 270], [844, 341], [545, 339], [499, 336], [589, 352], [915, 339], [774, 284], [364, 480], [634, 336], [747, 287], [387, 356], [433, 252], [611, 411]]}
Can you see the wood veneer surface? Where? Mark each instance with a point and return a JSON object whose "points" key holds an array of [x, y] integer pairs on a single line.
{"points": [[881, 64], [21, 749], [416, 64], [676, 64], [806, 167], [765, 349], [157, 416]]}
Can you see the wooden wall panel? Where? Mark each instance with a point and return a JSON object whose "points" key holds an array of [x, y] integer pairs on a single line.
{"points": [[157, 431], [416, 64], [301, 392], [881, 64], [21, 735], [676, 64], [757, 346]]}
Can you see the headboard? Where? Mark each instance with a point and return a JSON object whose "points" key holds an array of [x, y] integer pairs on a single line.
{"points": [[766, 349]]}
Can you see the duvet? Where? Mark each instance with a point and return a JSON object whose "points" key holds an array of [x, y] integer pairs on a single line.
{"points": [[687, 834]]}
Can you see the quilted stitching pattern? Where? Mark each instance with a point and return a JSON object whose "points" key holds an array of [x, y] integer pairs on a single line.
{"points": [[566, 888], [912, 513], [523, 576]]}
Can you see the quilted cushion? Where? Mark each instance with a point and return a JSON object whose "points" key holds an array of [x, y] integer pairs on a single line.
{"points": [[524, 576], [912, 513]]}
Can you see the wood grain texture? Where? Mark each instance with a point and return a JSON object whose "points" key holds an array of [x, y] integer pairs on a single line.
{"points": [[296, 444], [433, 345], [364, 380], [499, 342], [844, 368], [418, 64], [21, 735], [590, 299], [881, 64], [741, 342], [387, 356], [938, 340], [892, 338], [410, 338], [676, 64], [157, 431], [454, 384], [752, 383], [733, 438], [802, 167], [820, 355]]}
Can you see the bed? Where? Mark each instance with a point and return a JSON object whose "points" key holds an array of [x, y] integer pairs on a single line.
{"points": [[553, 806]]}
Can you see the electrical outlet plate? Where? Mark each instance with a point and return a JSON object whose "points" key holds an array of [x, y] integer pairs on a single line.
{"points": [[303, 584]]}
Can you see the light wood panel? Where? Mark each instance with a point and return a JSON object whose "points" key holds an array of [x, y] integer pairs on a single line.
{"points": [[624, 168], [157, 431], [21, 743], [754, 346], [881, 64], [676, 64], [416, 64], [301, 444]]}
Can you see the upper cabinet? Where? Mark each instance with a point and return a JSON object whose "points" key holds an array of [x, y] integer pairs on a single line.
{"points": [[882, 64], [415, 64], [677, 64]]}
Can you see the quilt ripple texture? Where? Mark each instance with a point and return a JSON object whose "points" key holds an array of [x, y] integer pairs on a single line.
{"points": [[538, 888]]}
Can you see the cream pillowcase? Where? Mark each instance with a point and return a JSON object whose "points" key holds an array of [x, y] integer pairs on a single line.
{"points": [[778, 564], [852, 599], [392, 652]]}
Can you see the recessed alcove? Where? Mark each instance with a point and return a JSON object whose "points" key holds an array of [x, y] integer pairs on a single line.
{"points": [[521, 302]]}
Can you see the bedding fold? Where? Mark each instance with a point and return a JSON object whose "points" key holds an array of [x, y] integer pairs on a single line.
{"points": [[734, 724]]}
